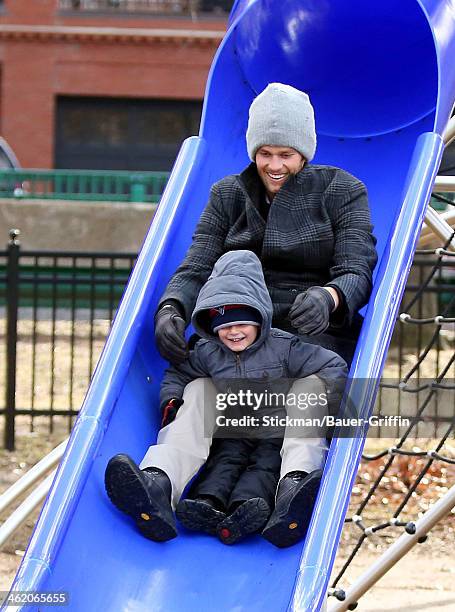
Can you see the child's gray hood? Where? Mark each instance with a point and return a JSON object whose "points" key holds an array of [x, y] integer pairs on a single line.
{"points": [[237, 278]]}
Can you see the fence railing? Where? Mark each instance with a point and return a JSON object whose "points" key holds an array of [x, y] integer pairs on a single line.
{"points": [[56, 309], [160, 7], [106, 185], [87, 185]]}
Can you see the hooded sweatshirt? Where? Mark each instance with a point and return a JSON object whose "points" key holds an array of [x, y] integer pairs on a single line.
{"points": [[237, 278]]}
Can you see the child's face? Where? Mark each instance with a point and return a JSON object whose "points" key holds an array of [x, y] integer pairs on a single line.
{"points": [[238, 337]]}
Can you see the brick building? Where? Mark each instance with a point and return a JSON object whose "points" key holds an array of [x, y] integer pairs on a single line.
{"points": [[104, 83]]}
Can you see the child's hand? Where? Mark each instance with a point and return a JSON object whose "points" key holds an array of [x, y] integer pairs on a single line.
{"points": [[170, 410]]}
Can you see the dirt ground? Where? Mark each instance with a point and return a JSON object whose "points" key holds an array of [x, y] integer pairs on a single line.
{"points": [[55, 361], [423, 580], [30, 448]]}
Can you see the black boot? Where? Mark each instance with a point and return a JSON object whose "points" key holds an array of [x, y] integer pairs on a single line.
{"points": [[295, 500], [203, 513], [145, 495], [248, 517]]}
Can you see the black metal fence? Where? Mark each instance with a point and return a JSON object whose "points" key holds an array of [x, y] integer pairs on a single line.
{"points": [[56, 309]]}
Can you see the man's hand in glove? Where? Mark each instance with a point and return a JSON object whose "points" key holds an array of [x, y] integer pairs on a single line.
{"points": [[170, 334], [169, 411], [310, 312]]}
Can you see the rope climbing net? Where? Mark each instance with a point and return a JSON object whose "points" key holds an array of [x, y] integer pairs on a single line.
{"points": [[405, 476]]}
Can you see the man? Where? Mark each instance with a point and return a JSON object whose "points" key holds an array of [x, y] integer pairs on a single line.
{"points": [[309, 225]]}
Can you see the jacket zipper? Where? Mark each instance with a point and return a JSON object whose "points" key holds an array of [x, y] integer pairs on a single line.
{"points": [[238, 367]]}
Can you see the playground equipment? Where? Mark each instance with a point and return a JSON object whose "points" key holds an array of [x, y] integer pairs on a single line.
{"points": [[349, 599], [382, 80], [430, 405], [28, 480]]}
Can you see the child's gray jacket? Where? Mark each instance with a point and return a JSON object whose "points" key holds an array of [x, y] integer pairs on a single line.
{"points": [[237, 278]]}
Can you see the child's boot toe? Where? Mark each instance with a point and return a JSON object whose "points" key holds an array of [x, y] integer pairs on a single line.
{"points": [[145, 495], [199, 515], [249, 517], [295, 500]]}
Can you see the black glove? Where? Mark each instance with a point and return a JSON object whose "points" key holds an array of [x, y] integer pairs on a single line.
{"points": [[170, 334], [310, 312], [169, 411]]}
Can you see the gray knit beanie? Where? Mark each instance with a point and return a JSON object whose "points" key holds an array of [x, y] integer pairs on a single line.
{"points": [[281, 116]]}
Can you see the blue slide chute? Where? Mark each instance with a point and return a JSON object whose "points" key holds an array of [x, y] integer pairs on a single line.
{"points": [[381, 77]]}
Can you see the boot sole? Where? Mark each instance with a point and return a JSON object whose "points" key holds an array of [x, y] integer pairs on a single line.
{"points": [[291, 528], [127, 492], [198, 516], [248, 518]]}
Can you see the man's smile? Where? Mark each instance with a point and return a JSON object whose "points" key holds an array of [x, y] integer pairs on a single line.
{"points": [[276, 177]]}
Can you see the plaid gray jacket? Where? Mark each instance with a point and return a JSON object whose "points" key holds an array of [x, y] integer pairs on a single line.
{"points": [[317, 232]]}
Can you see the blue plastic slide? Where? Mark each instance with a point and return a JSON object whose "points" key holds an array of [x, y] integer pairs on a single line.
{"points": [[381, 75]]}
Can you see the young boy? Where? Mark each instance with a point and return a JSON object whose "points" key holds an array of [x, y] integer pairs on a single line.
{"points": [[250, 350]]}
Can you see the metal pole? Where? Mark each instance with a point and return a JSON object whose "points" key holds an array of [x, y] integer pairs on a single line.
{"points": [[137, 189], [20, 515], [449, 133], [440, 228], [34, 474], [427, 235], [395, 552], [12, 300], [444, 183], [434, 220]]}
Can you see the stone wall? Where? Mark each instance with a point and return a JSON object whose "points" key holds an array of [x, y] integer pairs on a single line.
{"points": [[76, 226]]}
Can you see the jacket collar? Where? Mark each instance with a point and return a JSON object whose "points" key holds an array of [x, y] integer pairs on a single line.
{"points": [[252, 184]]}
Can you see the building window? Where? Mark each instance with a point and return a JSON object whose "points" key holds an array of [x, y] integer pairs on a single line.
{"points": [[163, 7], [122, 134]]}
